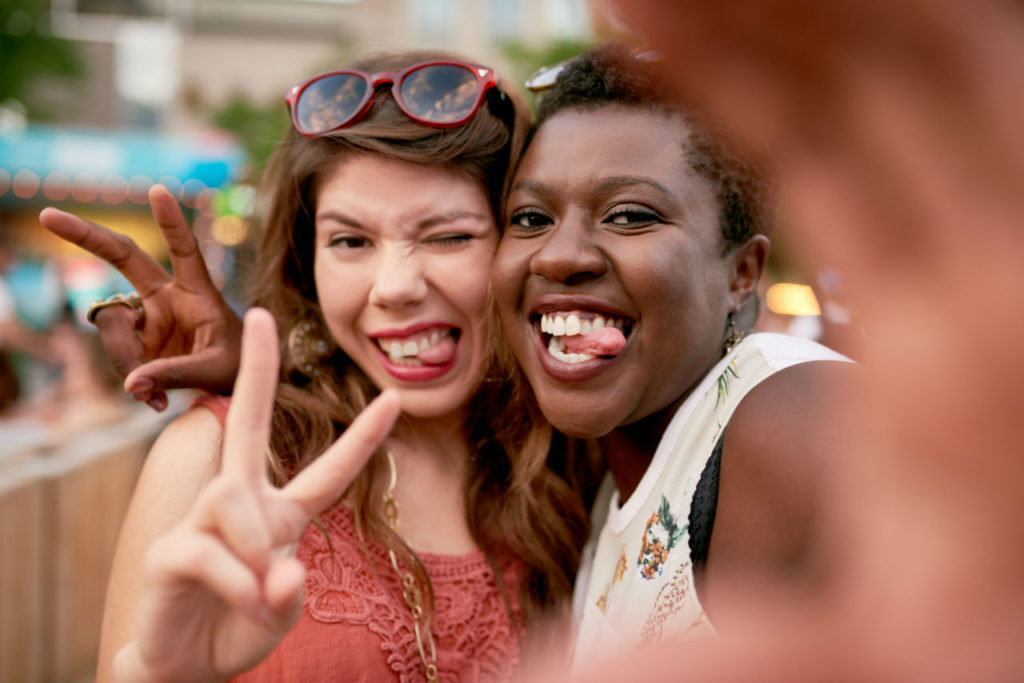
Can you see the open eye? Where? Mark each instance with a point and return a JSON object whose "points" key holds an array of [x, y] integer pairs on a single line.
{"points": [[348, 242], [529, 220], [633, 217]]}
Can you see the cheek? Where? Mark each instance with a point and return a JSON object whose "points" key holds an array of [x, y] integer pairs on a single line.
{"points": [[342, 296], [508, 275]]}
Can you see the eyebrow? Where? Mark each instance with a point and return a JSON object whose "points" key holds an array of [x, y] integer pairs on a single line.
{"points": [[430, 221], [451, 217], [603, 185]]}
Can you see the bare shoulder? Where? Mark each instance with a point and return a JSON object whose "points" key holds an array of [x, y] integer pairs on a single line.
{"points": [[183, 459], [776, 458]]}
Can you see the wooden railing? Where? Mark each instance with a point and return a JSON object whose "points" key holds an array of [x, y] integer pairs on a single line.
{"points": [[62, 502]]}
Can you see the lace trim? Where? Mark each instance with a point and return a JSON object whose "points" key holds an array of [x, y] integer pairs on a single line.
{"points": [[474, 635]]}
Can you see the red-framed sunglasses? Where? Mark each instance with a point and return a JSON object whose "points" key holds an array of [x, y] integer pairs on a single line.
{"points": [[438, 93]]}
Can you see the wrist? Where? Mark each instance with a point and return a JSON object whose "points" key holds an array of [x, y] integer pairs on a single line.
{"points": [[129, 667]]}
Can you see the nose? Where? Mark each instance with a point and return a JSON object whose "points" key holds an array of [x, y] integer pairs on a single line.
{"points": [[569, 254], [400, 279]]}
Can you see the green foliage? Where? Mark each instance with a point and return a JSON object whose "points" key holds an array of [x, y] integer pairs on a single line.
{"points": [[29, 51], [258, 128], [671, 525], [527, 60]]}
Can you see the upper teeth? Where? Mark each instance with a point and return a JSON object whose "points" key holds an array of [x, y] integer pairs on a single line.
{"points": [[570, 324], [398, 348]]}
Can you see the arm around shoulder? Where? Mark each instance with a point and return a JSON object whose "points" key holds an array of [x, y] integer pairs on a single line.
{"points": [[184, 458], [777, 459]]}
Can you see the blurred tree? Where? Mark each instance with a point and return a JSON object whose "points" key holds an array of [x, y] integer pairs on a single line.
{"points": [[28, 51], [258, 128], [525, 60]]}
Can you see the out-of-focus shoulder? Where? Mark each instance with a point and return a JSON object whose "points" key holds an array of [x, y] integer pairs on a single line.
{"points": [[191, 440]]}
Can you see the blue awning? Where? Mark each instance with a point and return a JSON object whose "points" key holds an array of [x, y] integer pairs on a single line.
{"points": [[212, 159]]}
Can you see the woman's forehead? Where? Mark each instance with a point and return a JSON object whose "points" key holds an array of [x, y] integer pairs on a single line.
{"points": [[595, 145]]}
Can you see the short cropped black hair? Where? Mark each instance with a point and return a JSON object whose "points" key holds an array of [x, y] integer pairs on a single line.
{"points": [[611, 74]]}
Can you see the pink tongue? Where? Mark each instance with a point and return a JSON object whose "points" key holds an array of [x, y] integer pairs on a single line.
{"points": [[608, 341], [440, 353]]}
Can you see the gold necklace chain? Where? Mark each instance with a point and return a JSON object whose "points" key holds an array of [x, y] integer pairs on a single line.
{"points": [[411, 593]]}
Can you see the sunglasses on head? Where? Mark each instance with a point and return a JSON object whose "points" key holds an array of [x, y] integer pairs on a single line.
{"points": [[544, 78], [438, 93]]}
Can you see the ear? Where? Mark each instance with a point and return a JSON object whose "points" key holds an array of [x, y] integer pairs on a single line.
{"points": [[748, 261]]}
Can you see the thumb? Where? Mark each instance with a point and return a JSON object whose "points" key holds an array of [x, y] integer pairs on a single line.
{"points": [[212, 369]]}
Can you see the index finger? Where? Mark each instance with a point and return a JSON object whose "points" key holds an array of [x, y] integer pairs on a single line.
{"points": [[140, 269], [247, 430], [320, 484], [186, 260]]}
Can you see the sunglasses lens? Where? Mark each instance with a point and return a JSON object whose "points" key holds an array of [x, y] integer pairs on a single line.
{"points": [[329, 102], [440, 93]]}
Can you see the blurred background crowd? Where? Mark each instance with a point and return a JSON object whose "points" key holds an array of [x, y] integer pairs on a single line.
{"points": [[99, 99]]}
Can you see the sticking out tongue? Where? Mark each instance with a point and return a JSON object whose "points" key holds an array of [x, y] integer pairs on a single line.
{"points": [[440, 353], [608, 341]]}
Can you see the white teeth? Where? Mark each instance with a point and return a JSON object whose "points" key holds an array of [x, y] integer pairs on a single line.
{"points": [[571, 324], [557, 349], [398, 350]]}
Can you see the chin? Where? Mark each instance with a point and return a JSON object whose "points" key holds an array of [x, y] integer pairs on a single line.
{"points": [[436, 402], [581, 422]]}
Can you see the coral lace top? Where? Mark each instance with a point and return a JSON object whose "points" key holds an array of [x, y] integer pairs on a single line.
{"points": [[356, 627]]}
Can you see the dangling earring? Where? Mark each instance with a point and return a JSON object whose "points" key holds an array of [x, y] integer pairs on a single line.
{"points": [[307, 348], [732, 335]]}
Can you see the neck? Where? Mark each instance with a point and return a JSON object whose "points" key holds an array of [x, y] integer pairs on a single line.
{"points": [[432, 458], [628, 450], [437, 442]]}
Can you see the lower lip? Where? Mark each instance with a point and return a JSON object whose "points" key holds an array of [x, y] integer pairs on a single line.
{"points": [[570, 372], [415, 373]]}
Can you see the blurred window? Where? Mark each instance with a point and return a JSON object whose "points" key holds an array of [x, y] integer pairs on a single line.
{"points": [[566, 18], [433, 19], [505, 18]]}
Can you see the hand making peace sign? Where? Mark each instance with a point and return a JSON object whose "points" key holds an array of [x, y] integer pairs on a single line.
{"points": [[189, 336], [222, 587]]}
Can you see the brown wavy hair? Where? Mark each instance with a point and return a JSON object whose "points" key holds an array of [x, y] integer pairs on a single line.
{"points": [[521, 491]]}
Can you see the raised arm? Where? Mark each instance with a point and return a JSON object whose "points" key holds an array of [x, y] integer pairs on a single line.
{"points": [[217, 592], [186, 334]]}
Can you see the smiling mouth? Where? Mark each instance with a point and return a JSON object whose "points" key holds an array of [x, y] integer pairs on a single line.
{"points": [[578, 336], [434, 346]]}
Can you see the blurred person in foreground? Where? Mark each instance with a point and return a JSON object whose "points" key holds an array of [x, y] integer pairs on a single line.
{"points": [[895, 131]]}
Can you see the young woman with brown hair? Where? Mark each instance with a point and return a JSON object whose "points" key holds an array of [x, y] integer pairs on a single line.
{"points": [[378, 237]]}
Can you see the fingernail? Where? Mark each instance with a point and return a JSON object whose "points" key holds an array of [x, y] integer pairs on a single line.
{"points": [[141, 386], [158, 403], [140, 395]]}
